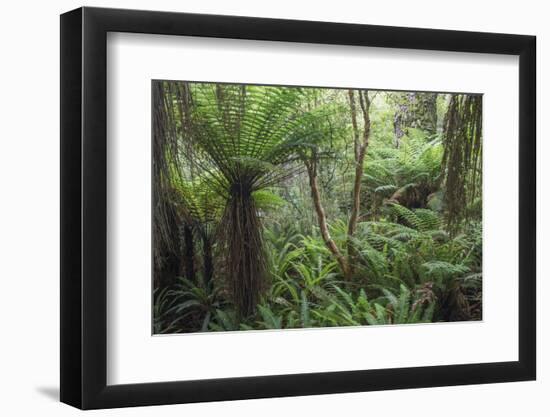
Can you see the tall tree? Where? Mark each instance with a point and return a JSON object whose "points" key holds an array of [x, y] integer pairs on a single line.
{"points": [[311, 165], [414, 110], [312, 160], [461, 163], [361, 150]]}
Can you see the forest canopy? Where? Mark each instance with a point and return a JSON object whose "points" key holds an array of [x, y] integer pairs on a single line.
{"points": [[295, 207]]}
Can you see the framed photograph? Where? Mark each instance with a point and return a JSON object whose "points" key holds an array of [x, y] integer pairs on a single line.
{"points": [[258, 208]]}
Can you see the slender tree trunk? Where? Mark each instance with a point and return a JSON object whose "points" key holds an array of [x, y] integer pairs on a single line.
{"points": [[360, 149], [321, 217], [189, 253], [359, 163], [402, 117], [208, 263], [353, 109], [427, 112]]}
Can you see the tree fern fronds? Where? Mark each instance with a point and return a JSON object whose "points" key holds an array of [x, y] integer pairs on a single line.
{"points": [[402, 309], [441, 271], [269, 319], [304, 311]]}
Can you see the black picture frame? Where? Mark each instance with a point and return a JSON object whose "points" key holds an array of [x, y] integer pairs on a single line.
{"points": [[84, 207]]}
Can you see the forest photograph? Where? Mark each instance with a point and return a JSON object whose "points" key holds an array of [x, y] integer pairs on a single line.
{"points": [[285, 207]]}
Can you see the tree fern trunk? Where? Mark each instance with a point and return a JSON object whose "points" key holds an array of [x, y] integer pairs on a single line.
{"points": [[244, 250], [189, 253], [208, 264]]}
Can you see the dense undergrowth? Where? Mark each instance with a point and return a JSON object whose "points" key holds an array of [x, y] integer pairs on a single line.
{"points": [[409, 272]]}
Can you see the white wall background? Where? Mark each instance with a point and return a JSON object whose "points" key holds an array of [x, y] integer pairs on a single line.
{"points": [[29, 225]]}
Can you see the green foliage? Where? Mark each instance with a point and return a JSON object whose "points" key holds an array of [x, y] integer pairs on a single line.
{"points": [[193, 304], [240, 184], [407, 275], [162, 304], [409, 175], [198, 202]]}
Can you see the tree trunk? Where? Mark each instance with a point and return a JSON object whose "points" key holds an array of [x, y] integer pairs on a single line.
{"points": [[321, 217], [360, 149], [208, 264], [401, 118], [241, 235], [166, 238], [353, 109], [359, 163], [189, 253], [427, 112]]}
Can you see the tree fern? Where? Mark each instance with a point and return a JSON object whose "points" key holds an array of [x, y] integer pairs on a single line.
{"points": [[246, 136]]}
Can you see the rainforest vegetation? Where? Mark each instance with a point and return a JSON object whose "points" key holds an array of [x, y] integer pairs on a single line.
{"points": [[286, 207]]}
